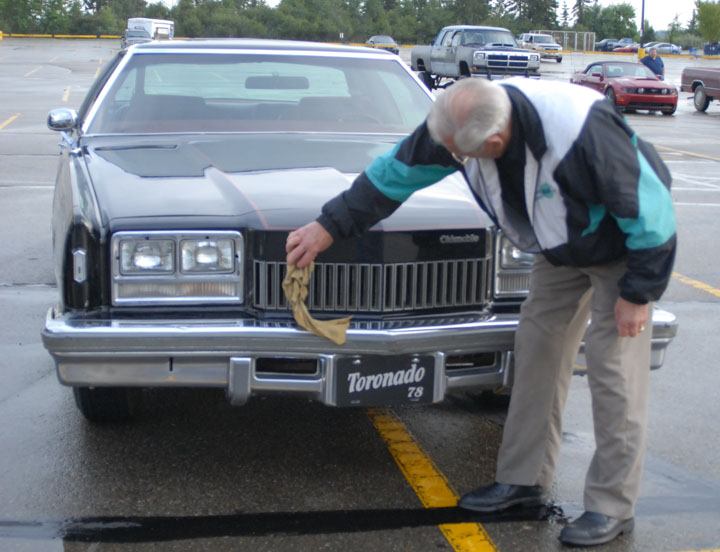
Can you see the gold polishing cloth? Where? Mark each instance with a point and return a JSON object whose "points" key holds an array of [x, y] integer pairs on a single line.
{"points": [[295, 286]]}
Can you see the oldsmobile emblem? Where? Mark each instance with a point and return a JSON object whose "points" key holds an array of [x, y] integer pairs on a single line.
{"points": [[465, 238]]}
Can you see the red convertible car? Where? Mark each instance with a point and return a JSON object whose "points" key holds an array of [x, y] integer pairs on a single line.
{"points": [[629, 86]]}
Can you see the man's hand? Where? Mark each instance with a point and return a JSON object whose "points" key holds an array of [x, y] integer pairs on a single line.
{"points": [[630, 318], [305, 243]]}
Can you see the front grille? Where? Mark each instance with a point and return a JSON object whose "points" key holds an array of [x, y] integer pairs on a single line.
{"points": [[505, 61], [380, 288]]}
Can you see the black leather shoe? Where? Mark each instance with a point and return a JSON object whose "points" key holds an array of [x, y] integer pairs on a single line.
{"points": [[500, 496], [592, 528]]}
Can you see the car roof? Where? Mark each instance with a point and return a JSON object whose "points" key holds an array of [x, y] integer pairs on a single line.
{"points": [[253, 44], [475, 27]]}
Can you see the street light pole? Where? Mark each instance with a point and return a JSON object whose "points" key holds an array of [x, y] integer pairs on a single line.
{"points": [[642, 23]]}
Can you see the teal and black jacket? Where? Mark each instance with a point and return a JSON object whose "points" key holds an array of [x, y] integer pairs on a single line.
{"points": [[594, 191]]}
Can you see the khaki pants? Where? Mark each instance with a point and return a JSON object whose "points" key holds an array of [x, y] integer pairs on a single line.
{"points": [[552, 323]]}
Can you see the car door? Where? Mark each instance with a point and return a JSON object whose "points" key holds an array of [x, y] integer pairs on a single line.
{"points": [[438, 53], [594, 77]]}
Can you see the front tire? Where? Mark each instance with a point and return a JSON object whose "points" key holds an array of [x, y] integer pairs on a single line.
{"points": [[670, 111], [559, 60], [610, 95], [700, 99], [103, 405]]}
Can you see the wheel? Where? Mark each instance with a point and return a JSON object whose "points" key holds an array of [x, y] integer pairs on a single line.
{"points": [[669, 112], [559, 60], [610, 95], [427, 79], [700, 98], [105, 404]]}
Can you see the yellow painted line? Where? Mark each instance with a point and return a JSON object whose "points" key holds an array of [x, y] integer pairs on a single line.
{"points": [[8, 121], [429, 484], [697, 284], [66, 94], [33, 71], [689, 153]]}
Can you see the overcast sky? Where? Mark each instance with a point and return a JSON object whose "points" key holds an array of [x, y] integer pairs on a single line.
{"points": [[659, 12]]}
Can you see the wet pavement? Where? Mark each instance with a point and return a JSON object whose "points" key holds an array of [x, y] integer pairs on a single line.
{"points": [[193, 473]]}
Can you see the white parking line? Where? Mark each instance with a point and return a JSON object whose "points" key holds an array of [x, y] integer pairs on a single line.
{"points": [[33, 71]]}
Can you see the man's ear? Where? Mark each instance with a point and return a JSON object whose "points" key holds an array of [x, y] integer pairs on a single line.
{"points": [[495, 144]]}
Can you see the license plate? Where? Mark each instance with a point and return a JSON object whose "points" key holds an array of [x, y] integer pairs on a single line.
{"points": [[378, 380]]}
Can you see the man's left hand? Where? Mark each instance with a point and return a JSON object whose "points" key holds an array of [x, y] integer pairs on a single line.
{"points": [[630, 318]]}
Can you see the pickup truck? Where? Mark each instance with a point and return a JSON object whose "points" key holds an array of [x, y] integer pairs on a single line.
{"points": [[703, 82], [465, 51]]}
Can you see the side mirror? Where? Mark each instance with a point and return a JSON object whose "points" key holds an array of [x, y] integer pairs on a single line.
{"points": [[598, 75], [62, 119]]}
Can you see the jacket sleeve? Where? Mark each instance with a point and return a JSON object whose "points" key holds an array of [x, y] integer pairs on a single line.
{"points": [[633, 184], [414, 163]]}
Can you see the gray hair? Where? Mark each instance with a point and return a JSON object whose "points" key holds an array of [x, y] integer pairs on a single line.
{"points": [[469, 112]]}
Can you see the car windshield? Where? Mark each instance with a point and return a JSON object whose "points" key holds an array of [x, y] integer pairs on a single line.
{"points": [[481, 38], [543, 38], [383, 38], [208, 92], [629, 70], [136, 34]]}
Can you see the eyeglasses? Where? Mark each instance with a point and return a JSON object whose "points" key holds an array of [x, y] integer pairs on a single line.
{"points": [[462, 159]]}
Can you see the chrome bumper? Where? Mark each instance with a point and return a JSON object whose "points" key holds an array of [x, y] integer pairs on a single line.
{"points": [[225, 353]]}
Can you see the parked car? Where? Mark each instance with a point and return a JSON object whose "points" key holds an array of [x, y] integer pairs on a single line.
{"points": [[179, 180], [629, 86], [384, 42], [606, 44], [466, 50], [544, 44], [703, 82], [663, 48], [627, 48]]}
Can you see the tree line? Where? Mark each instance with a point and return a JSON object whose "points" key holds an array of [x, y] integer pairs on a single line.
{"points": [[408, 21]]}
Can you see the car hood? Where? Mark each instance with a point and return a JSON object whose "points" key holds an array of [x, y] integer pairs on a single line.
{"points": [[646, 83], [210, 183]]}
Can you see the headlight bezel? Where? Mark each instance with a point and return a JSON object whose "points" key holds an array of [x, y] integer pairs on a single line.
{"points": [[512, 280], [178, 287]]}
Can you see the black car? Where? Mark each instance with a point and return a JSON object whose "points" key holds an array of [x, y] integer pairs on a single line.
{"points": [[180, 178], [606, 44], [383, 42]]}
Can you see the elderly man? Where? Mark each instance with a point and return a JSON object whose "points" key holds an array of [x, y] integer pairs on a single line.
{"points": [[653, 62], [564, 177]]}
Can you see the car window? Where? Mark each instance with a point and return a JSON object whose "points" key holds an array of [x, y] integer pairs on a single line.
{"points": [[457, 37], [482, 37], [595, 69], [447, 39], [237, 93], [628, 70], [544, 38]]}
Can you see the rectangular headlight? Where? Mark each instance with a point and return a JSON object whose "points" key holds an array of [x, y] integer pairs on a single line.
{"points": [[207, 256], [183, 267], [512, 269], [512, 257], [478, 56], [147, 256]]}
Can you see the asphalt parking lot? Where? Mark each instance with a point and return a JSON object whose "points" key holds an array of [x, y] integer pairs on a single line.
{"points": [[194, 473]]}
